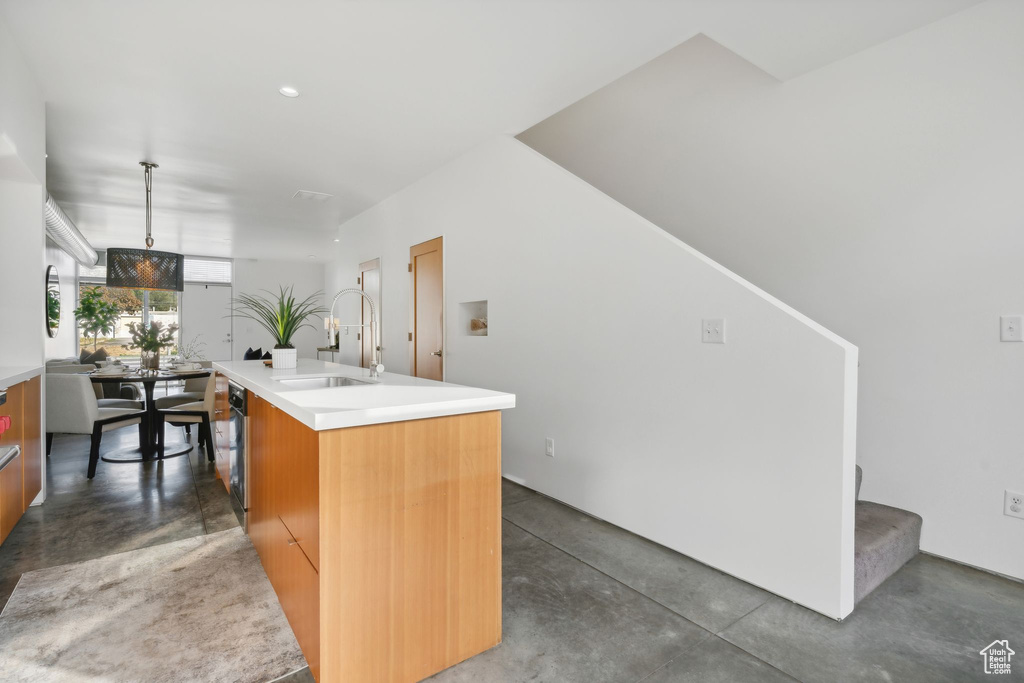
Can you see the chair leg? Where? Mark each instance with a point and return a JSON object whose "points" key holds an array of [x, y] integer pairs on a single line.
{"points": [[207, 435], [188, 430], [142, 434], [49, 442], [94, 450]]}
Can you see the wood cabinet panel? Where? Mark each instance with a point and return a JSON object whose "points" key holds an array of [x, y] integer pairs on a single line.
{"points": [[12, 408], [12, 503], [299, 476], [10, 496], [32, 442], [283, 475], [222, 429], [410, 546]]}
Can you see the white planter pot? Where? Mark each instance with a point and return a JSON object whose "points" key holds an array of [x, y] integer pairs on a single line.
{"points": [[284, 359]]}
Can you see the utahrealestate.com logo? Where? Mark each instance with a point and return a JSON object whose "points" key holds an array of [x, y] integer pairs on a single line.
{"points": [[997, 657]]}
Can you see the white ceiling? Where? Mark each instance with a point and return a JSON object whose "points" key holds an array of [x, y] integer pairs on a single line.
{"points": [[390, 90]]}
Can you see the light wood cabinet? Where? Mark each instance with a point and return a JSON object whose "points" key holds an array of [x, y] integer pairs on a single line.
{"points": [[32, 442], [222, 429], [283, 517], [21, 477], [382, 542]]}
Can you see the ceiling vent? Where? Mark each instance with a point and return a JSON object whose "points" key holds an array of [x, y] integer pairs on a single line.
{"points": [[309, 196]]}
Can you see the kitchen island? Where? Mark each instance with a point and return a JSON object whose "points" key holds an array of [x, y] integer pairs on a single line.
{"points": [[375, 507]]}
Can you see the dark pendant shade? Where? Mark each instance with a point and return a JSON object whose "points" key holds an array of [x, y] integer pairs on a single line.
{"points": [[145, 269]]}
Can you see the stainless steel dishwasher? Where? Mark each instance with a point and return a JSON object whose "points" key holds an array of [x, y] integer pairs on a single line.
{"points": [[237, 398]]}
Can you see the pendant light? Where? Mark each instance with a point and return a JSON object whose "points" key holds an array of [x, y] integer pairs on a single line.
{"points": [[145, 268]]}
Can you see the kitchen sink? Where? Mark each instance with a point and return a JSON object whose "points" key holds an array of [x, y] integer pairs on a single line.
{"points": [[322, 382]]}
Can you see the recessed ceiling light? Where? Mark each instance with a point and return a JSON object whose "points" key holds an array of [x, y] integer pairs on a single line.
{"points": [[336, 239], [288, 91], [312, 256]]}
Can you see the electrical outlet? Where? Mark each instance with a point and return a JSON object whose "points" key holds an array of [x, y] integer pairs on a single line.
{"points": [[1013, 504], [549, 447]]}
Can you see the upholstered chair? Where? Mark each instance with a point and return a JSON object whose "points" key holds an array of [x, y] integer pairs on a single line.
{"points": [[72, 408], [185, 414]]}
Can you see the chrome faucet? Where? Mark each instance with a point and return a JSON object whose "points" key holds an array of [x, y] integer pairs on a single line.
{"points": [[376, 367]]}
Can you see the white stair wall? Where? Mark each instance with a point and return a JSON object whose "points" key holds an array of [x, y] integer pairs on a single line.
{"points": [[740, 455]]}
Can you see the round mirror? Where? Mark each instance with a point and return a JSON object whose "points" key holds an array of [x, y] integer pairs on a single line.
{"points": [[52, 301]]}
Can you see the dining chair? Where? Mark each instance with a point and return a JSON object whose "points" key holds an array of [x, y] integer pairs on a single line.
{"points": [[185, 414], [72, 408], [110, 395], [194, 390]]}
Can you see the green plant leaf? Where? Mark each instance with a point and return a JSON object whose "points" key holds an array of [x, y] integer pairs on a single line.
{"points": [[281, 315]]}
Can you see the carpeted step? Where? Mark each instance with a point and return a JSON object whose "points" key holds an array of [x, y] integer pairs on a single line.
{"points": [[886, 538]]}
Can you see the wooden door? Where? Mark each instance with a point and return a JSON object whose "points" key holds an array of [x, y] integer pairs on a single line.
{"points": [[427, 266], [369, 280], [32, 444]]}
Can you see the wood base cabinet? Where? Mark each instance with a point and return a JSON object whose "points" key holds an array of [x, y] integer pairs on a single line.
{"points": [[383, 542], [222, 429], [21, 477]]}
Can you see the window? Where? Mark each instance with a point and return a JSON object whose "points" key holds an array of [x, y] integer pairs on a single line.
{"points": [[207, 271], [133, 305], [136, 305]]}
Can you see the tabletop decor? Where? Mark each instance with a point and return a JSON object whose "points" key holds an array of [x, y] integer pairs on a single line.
{"points": [[150, 340], [282, 316]]}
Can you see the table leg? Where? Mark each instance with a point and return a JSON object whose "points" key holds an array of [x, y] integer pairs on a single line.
{"points": [[147, 448]]}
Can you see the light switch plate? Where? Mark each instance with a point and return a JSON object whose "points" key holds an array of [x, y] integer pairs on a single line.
{"points": [[1010, 328], [713, 331], [549, 447]]}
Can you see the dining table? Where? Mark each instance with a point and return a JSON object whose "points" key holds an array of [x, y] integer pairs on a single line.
{"points": [[147, 448]]}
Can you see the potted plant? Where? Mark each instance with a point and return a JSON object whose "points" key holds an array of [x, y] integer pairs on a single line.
{"points": [[150, 340], [282, 316], [96, 315], [191, 349]]}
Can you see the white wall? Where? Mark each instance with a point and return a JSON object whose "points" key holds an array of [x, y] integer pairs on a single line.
{"points": [[22, 179], [251, 276], [22, 190], [66, 342], [881, 196], [594, 322]]}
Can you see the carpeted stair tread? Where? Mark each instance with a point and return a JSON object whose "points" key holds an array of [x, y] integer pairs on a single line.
{"points": [[886, 538]]}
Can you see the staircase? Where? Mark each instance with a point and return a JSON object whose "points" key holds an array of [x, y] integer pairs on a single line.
{"points": [[886, 539]]}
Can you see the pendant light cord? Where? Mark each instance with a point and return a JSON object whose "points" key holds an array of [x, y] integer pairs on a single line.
{"points": [[149, 202]]}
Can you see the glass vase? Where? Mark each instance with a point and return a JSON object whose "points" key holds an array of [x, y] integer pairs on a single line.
{"points": [[151, 360]]}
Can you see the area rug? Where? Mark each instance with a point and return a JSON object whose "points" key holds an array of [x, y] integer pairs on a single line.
{"points": [[201, 609]]}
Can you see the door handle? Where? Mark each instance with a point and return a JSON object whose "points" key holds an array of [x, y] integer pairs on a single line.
{"points": [[436, 353]]}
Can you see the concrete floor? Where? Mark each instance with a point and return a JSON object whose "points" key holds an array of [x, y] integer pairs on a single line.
{"points": [[586, 601], [583, 600]]}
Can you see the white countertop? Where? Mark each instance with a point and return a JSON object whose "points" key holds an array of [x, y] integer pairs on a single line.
{"points": [[392, 397], [15, 374]]}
